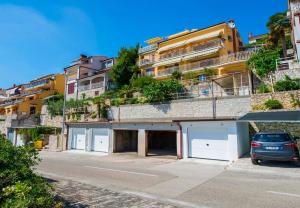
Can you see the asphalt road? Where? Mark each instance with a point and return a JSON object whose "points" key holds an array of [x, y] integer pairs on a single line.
{"points": [[174, 183]]}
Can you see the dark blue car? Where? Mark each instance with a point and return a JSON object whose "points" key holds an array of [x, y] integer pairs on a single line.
{"points": [[274, 146]]}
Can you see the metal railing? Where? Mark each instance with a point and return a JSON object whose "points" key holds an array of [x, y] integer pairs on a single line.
{"points": [[287, 63], [91, 86], [145, 62], [192, 50], [208, 63], [148, 48], [36, 84], [7, 103]]}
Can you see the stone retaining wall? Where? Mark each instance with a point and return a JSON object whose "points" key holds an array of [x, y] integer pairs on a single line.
{"points": [[189, 108], [258, 100]]}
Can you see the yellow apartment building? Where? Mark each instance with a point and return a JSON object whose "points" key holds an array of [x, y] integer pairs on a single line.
{"points": [[217, 48], [27, 99]]}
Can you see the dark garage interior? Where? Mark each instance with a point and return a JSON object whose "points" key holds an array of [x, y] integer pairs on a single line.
{"points": [[162, 143], [126, 141]]}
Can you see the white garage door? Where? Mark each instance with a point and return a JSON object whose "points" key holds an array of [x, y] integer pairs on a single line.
{"points": [[78, 138], [100, 140], [208, 142]]}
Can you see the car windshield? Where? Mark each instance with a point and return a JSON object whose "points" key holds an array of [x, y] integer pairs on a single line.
{"points": [[272, 138]]}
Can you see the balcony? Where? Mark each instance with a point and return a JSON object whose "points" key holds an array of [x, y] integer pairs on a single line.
{"points": [[32, 92], [210, 47], [14, 102], [91, 86], [148, 48], [208, 63], [36, 84], [146, 62]]}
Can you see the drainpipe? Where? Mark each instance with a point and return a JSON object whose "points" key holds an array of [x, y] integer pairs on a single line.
{"points": [[181, 140]]}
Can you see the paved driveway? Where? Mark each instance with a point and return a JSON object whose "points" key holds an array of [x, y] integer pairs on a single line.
{"points": [[172, 183]]}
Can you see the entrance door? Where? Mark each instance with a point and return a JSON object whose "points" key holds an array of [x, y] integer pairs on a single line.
{"points": [[78, 139], [208, 142], [100, 140]]}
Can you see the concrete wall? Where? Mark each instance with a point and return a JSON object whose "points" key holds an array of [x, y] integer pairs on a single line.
{"points": [[190, 108], [243, 138]]}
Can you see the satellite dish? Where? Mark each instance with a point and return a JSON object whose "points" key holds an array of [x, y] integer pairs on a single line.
{"points": [[231, 24]]}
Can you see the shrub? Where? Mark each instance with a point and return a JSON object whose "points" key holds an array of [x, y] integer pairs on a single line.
{"points": [[162, 91], [263, 88], [141, 82], [287, 84], [273, 104], [55, 105], [176, 75], [19, 185]]}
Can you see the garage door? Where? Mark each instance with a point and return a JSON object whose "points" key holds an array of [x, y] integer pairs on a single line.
{"points": [[208, 142], [100, 140], [78, 138]]}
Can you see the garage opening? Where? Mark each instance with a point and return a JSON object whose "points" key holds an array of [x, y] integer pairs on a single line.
{"points": [[125, 140], [162, 143]]}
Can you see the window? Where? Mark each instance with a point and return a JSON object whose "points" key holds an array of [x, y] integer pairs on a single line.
{"points": [[32, 110], [96, 93], [71, 88]]}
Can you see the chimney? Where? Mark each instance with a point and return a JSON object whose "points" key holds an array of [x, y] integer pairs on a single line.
{"points": [[250, 35], [82, 56]]}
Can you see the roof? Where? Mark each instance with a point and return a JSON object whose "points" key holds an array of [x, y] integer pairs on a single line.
{"points": [[192, 31], [272, 116]]}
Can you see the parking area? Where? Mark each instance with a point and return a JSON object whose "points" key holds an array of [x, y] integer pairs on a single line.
{"points": [[179, 183]]}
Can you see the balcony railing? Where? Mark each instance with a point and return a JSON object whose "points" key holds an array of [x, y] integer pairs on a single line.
{"points": [[7, 103], [145, 62], [36, 84], [287, 63], [208, 63], [32, 92], [215, 44], [148, 48], [91, 86]]}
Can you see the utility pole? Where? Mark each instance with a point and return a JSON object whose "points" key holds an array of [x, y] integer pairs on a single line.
{"points": [[64, 109]]}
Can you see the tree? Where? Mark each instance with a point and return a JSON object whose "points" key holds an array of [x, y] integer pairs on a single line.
{"points": [[264, 61], [278, 24], [125, 68]]}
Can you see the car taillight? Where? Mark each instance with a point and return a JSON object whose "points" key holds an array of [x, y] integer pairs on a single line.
{"points": [[290, 145], [255, 144]]}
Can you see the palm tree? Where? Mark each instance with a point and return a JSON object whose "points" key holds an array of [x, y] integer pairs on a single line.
{"points": [[278, 25]]}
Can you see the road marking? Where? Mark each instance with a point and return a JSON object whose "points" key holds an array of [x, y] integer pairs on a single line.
{"points": [[164, 200], [122, 171], [284, 194]]}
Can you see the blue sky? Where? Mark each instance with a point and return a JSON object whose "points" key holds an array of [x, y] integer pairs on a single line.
{"points": [[40, 37]]}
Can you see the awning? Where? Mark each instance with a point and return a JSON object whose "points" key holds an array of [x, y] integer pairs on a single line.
{"points": [[191, 40], [272, 116]]}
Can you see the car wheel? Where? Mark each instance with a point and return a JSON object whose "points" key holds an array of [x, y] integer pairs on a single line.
{"points": [[254, 161]]}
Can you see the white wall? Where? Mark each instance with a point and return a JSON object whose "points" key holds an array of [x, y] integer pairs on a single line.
{"points": [[243, 138], [234, 135]]}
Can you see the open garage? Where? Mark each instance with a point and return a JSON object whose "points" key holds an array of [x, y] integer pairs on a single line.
{"points": [[162, 143], [125, 140]]}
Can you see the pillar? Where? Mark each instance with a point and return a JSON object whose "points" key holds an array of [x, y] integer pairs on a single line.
{"points": [[235, 86], [142, 143], [178, 144]]}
